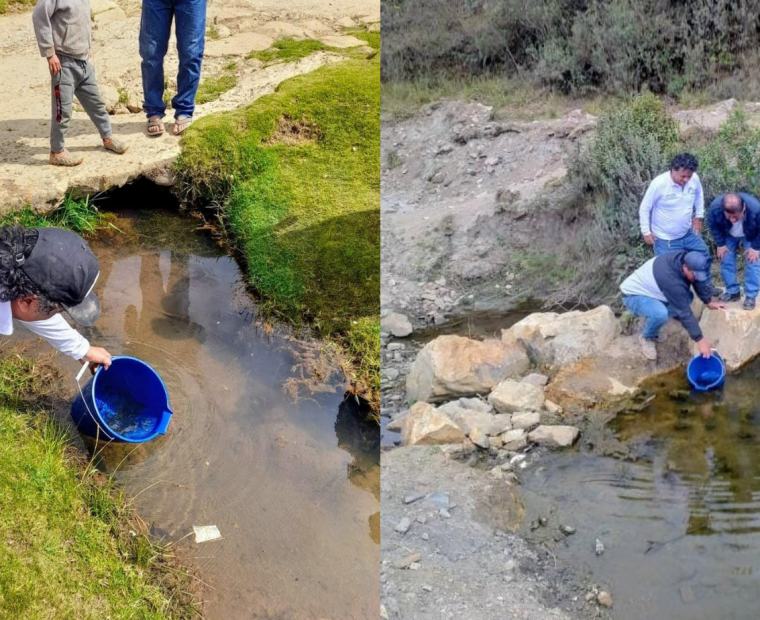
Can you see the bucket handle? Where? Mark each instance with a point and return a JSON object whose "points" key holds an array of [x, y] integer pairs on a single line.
{"points": [[85, 366]]}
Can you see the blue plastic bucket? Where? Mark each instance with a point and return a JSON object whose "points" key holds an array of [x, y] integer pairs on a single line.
{"points": [[706, 373], [128, 402]]}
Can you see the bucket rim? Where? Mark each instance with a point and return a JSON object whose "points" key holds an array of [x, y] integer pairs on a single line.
{"points": [[102, 422], [706, 387]]}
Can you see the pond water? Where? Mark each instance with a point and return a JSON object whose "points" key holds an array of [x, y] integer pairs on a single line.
{"points": [[286, 471], [673, 494]]}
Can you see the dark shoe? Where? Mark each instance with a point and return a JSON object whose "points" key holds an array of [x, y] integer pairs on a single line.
{"points": [[749, 303], [730, 297], [716, 292]]}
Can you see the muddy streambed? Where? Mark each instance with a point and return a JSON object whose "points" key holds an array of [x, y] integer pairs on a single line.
{"points": [[673, 494], [290, 477]]}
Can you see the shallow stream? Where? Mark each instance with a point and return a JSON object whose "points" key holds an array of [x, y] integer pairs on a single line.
{"points": [[673, 494], [289, 476]]}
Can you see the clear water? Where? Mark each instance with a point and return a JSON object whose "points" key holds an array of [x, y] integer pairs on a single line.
{"points": [[291, 481], [124, 414]]}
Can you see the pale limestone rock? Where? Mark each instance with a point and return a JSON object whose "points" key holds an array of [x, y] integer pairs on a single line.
{"points": [[452, 366], [426, 425], [561, 339], [511, 396], [527, 420], [554, 436]]}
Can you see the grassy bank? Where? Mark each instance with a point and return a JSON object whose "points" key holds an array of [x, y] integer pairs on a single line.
{"points": [[81, 216], [69, 546], [296, 179]]}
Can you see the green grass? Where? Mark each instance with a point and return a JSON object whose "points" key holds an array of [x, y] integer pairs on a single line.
{"points": [[4, 4], [304, 214], [212, 33], [288, 50], [212, 88], [514, 98], [81, 216], [66, 549]]}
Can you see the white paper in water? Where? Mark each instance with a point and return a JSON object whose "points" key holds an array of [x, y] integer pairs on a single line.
{"points": [[205, 533]]}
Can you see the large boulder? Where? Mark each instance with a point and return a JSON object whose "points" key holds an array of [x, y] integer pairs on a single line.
{"points": [[424, 424], [452, 366], [735, 334], [512, 396], [561, 339]]}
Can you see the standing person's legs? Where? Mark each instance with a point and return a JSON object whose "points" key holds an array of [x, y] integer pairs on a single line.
{"points": [[155, 28], [88, 94], [661, 246], [191, 32], [728, 268], [751, 275], [62, 98]]}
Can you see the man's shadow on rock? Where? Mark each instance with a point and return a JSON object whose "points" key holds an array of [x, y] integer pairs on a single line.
{"points": [[17, 152]]}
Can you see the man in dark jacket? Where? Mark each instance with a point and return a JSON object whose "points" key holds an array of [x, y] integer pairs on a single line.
{"points": [[734, 220], [661, 288]]}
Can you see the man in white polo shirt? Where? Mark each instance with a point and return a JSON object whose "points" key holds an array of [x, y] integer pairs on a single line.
{"points": [[673, 209], [43, 272]]}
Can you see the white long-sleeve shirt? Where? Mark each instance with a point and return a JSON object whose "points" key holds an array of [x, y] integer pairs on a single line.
{"points": [[667, 209], [55, 330]]}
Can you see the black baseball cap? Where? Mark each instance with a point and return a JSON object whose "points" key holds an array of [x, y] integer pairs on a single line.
{"points": [[64, 268], [699, 264]]}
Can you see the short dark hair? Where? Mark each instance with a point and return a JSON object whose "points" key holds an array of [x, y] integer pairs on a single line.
{"points": [[732, 210], [684, 161], [14, 283]]}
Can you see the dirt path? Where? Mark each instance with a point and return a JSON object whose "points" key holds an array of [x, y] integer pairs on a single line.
{"points": [[236, 27], [467, 564]]}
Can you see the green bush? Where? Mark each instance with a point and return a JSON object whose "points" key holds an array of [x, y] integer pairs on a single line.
{"points": [[614, 46], [731, 161], [633, 144]]}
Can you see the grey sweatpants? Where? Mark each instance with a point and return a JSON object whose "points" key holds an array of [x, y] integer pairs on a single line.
{"points": [[77, 77]]}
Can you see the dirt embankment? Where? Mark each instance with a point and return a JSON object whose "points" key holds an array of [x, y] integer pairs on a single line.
{"points": [[235, 28], [476, 209]]}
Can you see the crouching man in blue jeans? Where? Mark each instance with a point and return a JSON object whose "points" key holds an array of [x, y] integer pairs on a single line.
{"points": [[734, 220], [661, 289]]}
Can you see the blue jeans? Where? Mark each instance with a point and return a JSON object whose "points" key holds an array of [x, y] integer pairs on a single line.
{"points": [[157, 15], [655, 312], [691, 242], [728, 269]]}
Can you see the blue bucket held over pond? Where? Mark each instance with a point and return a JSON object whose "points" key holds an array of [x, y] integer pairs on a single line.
{"points": [[706, 373], [127, 403]]}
